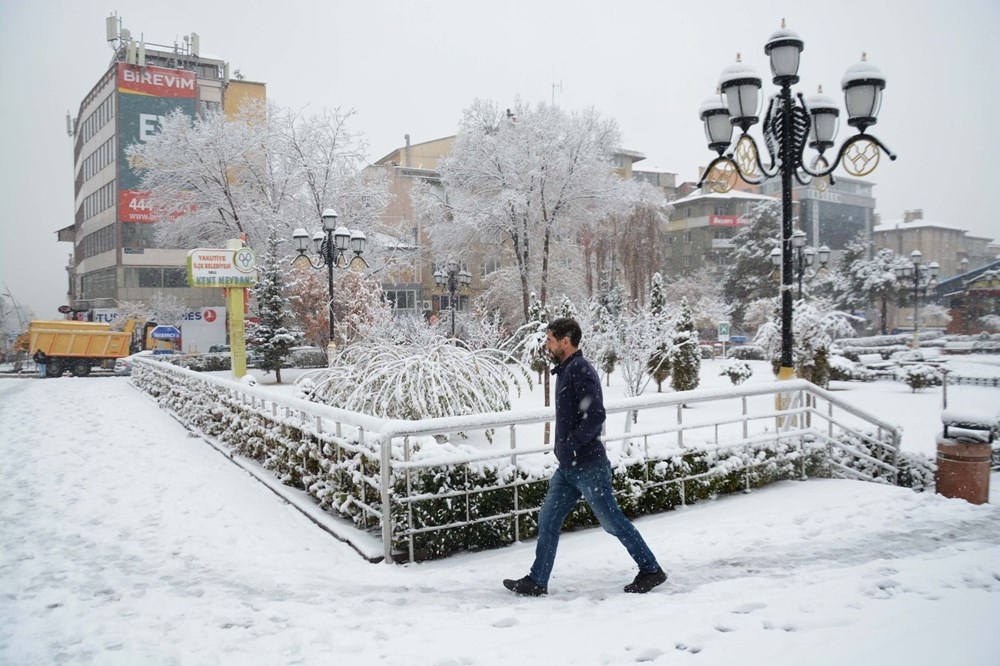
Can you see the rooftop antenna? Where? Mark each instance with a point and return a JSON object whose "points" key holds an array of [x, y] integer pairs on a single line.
{"points": [[112, 26]]}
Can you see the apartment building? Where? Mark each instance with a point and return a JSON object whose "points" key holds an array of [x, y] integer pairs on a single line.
{"points": [[115, 254]]}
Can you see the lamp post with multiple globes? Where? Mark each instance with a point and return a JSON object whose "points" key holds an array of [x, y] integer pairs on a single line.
{"points": [[330, 247], [789, 124]]}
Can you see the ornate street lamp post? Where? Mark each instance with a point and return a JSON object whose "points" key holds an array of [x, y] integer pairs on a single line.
{"points": [[924, 277], [805, 257], [330, 247], [452, 279], [789, 124]]}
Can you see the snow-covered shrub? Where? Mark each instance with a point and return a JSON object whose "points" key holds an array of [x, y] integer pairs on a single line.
{"points": [[747, 353], [842, 369], [311, 357], [737, 371], [415, 381], [202, 362], [914, 470], [920, 376]]}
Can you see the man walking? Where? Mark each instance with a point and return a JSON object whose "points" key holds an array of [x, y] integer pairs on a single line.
{"points": [[584, 469]]}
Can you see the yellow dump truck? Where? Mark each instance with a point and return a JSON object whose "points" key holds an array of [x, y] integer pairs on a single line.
{"points": [[76, 346]]}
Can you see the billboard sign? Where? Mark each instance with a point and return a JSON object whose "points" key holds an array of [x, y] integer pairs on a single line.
{"points": [[726, 221], [222, 268], [145, 95]]}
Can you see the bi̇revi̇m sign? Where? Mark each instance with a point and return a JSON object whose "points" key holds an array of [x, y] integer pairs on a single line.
{"points": [[222, 268]]}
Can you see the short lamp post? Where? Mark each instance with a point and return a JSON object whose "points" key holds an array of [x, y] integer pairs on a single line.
{"points": [[452, 279], [330, 247], [789, 125], [805, 257], [924, 277]]}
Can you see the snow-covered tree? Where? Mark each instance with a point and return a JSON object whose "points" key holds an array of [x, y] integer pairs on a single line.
{"points": [[530, 178], [685, 358], [535, 355], [658, 365], [271, 336], [751, 274], [163, 309], [861, 282], [703, 291], [213, 178], [362, 303], [639, 336], [605, 338], [815, 324], [307, 301]]}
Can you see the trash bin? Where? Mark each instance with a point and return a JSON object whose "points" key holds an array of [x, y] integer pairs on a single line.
{"points": [[963, 470]]}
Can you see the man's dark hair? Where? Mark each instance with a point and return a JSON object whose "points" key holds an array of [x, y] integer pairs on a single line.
{"points": [[566, 328]]}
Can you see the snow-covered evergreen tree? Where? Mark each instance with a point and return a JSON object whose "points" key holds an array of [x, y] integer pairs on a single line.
{"points": [[605, 338], [271, 337], [535, 355], [658, 365], [685, 359], [751, 274]]}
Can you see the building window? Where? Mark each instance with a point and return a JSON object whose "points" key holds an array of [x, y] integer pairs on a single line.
{"points": [[98, 284], [402, 299], [488, 266], [175, 277]]}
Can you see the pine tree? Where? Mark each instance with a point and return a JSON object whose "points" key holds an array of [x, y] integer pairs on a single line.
{"points": [[566, 309], [271, 337], [685, 360], [658, 365], [750, 275]]}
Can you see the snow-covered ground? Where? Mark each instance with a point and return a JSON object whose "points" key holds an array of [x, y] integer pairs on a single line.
{"points": [[126, 541]]}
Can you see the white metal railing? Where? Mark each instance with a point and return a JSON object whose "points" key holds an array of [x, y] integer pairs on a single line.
{"points": [[792, 414]]}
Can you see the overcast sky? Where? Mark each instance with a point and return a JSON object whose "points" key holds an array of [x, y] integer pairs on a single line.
{"points": [[411, 67]]}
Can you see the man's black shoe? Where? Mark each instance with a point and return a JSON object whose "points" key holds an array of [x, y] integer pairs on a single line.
{"points": [[525, 587], [644, 582]]}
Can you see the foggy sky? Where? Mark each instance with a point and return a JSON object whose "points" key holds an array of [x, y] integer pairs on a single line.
{"points": [[411, 68]]}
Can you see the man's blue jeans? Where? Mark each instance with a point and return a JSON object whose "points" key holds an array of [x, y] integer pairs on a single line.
{"points": [[566, 486]]}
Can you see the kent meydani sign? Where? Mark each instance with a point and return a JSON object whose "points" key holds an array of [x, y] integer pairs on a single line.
{"points": [[222, 268]]}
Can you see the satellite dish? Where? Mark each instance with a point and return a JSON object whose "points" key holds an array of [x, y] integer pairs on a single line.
{"points": [[65, 309], [126, 34]]}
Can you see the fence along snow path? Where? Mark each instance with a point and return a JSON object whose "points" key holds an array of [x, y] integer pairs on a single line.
{"points": [[723, 421]]}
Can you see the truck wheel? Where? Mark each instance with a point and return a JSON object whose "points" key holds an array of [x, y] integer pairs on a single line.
{"points": [[81, 369], [54, 368]]}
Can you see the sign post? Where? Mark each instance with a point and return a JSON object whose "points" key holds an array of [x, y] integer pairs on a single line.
{"points": [[234, 269], [723, 335]]}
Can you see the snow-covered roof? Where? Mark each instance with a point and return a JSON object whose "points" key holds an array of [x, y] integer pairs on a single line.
{"points": [[733, 194], [899, 223]]}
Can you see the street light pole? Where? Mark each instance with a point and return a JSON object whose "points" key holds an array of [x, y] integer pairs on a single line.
{"points": [[787, 127], [453, 279], [923, 276], [330, 247]]}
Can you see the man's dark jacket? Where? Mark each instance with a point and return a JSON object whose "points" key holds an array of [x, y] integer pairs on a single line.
{"points": [[579, 413]]}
